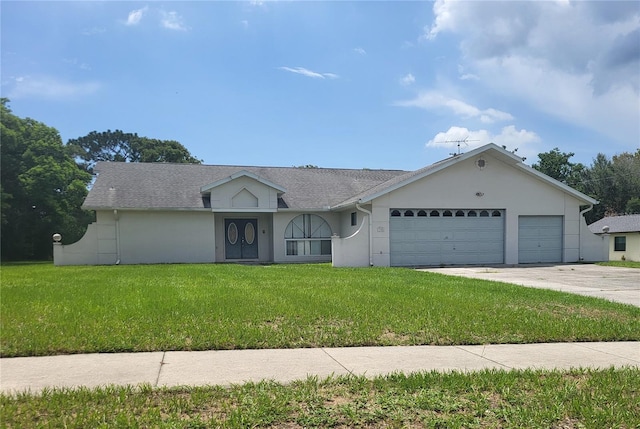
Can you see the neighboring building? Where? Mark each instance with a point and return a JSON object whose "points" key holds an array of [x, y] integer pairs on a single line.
{"points": [[481, 207], [624, 236]]}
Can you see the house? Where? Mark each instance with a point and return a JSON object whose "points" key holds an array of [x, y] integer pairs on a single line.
{"points": [[624, 236], [481, 207]]}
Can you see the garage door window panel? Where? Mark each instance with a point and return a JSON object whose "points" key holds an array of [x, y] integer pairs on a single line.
{"points": [[447, 236]]}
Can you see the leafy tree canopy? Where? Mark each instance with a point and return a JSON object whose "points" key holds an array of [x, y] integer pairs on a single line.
{"points": [[614, 182], [126, 147], [556, 164], [42, 188]]}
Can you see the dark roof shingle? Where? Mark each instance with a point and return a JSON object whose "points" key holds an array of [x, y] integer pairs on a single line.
{"points": [[627, 223], [177, 186]]}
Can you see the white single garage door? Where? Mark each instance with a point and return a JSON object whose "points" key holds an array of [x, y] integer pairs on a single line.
{"points": [[446, 237], [540, 239]]}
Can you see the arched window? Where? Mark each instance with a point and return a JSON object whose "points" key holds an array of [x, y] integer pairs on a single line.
{"points": [[447, 213], [434, 213], [408, 213], [472, 213], [395, 213], [422, 213], [496, 213], [459, 213], [308, 234], [484, 213]]}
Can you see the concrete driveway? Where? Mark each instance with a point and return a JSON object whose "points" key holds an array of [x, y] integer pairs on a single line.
{"points": [[612, 283]]}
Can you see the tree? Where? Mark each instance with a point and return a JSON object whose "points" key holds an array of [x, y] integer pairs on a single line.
{"points": [[42, 188], [633, 206], [598, 183], [556, 164], [626, 169], [126, 147], [615, 183]]}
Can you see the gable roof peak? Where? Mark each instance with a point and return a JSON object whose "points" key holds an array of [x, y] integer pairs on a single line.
{"points": [[239, 174]]}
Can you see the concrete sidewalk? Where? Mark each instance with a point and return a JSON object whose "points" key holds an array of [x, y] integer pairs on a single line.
{"points": [[227, 367]]}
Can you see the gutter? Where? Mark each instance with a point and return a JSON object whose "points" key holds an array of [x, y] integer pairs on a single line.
{"points": [[370, 231]]}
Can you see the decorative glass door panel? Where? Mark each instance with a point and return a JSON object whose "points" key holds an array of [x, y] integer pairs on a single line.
{"points": [[241, 238]]}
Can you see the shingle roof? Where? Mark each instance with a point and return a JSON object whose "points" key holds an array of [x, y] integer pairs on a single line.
{"points": [[177, 186], [627, 223], [392, 182]]}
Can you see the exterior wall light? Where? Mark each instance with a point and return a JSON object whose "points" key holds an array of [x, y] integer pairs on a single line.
{"points": [[57, 237]]}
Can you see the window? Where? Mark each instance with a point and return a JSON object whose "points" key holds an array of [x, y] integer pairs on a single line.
{"points": [[422, 213], [472, 213], [620, 244], [447, 213], [434, 213], [408, 213], [395, 213], [459, 213], [496, 213], [308, 234], [484, 213], [354, 218]]}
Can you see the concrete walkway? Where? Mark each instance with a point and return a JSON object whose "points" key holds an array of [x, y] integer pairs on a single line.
{"points": [[612, 283], [238, 366]]}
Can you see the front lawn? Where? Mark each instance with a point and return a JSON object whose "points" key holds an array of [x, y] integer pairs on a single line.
{"points": [[486, 399], [624, 264], [47, 310]]}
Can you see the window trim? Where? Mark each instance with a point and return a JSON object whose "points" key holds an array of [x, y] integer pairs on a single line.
{"points": [[307, 244], [620, 243]]}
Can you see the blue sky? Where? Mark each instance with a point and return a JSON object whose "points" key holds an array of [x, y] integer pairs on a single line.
{"points": [[331, 83]]}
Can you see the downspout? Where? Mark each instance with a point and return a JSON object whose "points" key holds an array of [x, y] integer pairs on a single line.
{"points": [[370, 232], [117, 218], [582, 212]]}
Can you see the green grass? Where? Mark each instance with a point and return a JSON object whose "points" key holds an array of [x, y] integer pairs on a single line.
{"points": [[624, 264], [487, 399], [47, 310]]}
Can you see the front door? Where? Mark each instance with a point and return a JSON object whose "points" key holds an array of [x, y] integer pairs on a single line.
{"points": [[241, 238]]}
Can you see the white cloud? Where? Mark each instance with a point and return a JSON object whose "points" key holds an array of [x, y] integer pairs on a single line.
{"points": [[522, 140], [464, 75], [309, 73], [245, 23], [135, 16], [172, 21], [50, 88], [567, 96], [432, 100], [407, 79], [544, 55], [444, 19], [360, 51]]}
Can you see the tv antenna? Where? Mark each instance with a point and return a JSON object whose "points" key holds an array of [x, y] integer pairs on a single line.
{"points": [[459, 143]]}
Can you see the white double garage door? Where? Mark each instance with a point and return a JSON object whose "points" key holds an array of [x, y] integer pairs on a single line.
{"points": [[469, 237]]}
